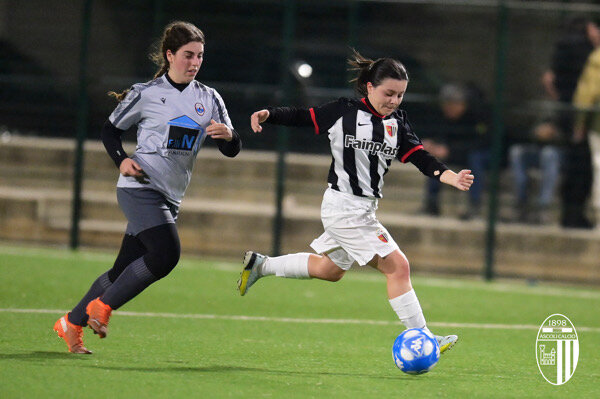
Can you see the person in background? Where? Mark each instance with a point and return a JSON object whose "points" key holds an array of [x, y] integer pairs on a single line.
{"points": [[459, 136], [541, 150], [579, 38], [587, 120]]}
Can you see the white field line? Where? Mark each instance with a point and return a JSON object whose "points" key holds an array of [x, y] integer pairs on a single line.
{"points": [[302, 320], [190, 263]]}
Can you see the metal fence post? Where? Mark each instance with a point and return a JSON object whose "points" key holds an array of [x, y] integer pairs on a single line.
{"points": [[289, 22], [498, 136], [82, 120]]}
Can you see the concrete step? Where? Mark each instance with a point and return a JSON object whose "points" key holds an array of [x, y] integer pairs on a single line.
{"points": [[228, 228]]}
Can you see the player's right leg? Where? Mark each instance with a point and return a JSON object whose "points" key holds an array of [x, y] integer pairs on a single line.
{"points": [[69, 327], [299, 266], [72, 334]]}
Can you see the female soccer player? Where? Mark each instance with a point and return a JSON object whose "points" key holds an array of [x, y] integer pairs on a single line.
{"points": [[174, 113], [365, 135]]}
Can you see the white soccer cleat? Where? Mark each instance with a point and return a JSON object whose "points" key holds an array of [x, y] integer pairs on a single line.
{"points": [[446, 342], [249, 276]]}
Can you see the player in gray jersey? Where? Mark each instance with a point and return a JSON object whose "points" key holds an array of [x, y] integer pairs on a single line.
{"points": [[174, 114], [365, 136]]}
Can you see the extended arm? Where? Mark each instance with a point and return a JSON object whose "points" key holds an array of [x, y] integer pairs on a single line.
{"points": [[288, 116]]}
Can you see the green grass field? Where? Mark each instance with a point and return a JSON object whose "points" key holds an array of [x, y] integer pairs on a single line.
{"points": [[192, 336]]}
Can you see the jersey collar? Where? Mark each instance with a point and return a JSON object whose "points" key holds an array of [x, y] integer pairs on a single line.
{"points": [[178, 86], [370, 107]]}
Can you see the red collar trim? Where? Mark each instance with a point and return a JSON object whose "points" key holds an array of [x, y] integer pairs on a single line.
{"points": [[368, 104]]}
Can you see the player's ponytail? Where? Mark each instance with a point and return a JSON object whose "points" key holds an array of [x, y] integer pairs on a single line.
{"points": [[175, 35], [374, 71]]}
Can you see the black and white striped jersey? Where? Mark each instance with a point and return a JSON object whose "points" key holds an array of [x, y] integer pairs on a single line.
{"points": [[363, 143]]}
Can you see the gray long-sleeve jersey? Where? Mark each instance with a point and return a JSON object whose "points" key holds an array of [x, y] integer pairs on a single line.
{"points": [[170, 131]]}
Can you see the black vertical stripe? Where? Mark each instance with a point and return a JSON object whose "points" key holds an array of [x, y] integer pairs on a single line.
{"points": [[378, 137], [127, 108], [219, 108], [333, 177], [349, 128]]}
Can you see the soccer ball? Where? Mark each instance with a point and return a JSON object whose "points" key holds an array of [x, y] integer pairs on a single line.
{"points": [[416, 351]]}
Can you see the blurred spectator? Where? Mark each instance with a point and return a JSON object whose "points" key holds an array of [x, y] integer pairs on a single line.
{"points": [[571, 51], [542, 151], [587, 120], [459, 137]]}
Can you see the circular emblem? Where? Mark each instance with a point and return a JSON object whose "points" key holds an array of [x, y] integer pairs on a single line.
{"points": [[199, 109], [557, 349]]}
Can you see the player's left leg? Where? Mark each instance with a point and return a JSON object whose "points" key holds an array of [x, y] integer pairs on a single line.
{"points": [[402, 296]]}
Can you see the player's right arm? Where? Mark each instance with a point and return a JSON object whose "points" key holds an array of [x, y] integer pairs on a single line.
{"points": [[111, 138], [321, 117]]}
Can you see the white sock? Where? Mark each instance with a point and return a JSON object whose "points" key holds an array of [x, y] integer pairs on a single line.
{"points": [[289, 266], [408, 309]]}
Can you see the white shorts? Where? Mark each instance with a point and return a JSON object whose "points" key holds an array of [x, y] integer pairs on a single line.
{"points": [[352, 231]]}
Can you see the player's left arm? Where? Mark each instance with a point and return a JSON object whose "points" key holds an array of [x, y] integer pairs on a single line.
{"points": [[461, 180], [221, 130], [411, 150]]}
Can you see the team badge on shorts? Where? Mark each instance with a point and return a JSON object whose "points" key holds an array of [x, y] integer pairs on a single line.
{"points": [[382, 236], [391, 127], [199, 109]]}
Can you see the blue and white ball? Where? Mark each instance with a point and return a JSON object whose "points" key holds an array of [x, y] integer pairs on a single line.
{"points": [[416, 351]]}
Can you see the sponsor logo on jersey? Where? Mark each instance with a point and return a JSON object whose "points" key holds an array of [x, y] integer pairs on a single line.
{"points": [[163, 99], [184, 132], [557, 349], [200, 109], [371, 146], [391, 127], [382, 235]]}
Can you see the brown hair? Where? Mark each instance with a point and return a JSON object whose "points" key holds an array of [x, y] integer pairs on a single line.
{"points": [[374, 71], [175, 35]]}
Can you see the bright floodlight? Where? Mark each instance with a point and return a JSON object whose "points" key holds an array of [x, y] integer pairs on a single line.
{"points": [[304, 70]]}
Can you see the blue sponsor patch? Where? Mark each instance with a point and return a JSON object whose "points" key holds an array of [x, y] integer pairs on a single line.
{"points": [[183, 133]]}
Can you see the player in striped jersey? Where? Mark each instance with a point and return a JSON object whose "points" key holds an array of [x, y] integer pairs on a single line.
{"points": [[365, 136], [173, 113]]}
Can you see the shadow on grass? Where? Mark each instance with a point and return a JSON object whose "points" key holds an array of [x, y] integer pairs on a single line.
{"points": [[41, 355], [37, 356], [237, 369]]}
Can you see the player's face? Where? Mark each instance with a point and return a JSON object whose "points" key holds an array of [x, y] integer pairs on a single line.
{"points": [[387, 96], [185, 63]]}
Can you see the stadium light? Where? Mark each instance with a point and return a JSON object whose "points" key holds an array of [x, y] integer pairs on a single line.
{"points": [[301, 71], [304, 70]]}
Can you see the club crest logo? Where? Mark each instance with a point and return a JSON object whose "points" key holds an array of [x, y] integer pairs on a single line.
{"points": [[200, 109], [382, 235], [557, 349], [391, 127]]}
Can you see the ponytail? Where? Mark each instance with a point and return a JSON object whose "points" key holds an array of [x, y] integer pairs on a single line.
{"points": [[374, 71]]}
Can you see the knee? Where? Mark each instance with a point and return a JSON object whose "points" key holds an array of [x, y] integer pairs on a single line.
{"points": [[162, 262], [324, 268], [400, 269], [335, 275]]}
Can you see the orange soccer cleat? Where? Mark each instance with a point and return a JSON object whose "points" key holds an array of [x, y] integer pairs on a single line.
{"points": [[72, 334], [98, 313]]}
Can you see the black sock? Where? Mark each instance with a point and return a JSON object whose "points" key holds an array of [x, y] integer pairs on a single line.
{"points": [[78, 316], [134, 279]]}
